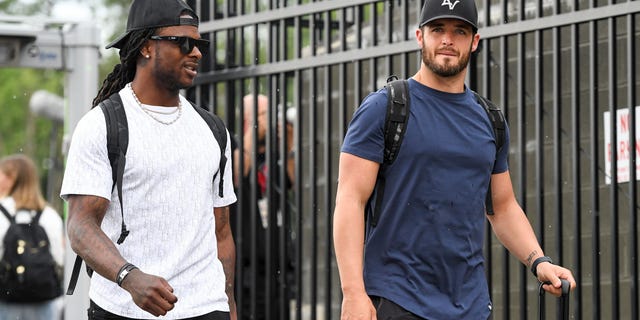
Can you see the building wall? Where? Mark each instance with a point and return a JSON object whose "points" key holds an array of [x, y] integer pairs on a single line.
{"points": [[555, 68]]}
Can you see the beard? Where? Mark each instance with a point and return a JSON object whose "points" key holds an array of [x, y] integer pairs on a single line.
{"points": [[169, 80], [447, 69], [167, 76]]}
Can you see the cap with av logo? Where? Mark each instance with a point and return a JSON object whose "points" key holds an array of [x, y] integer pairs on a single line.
{"points": [[464, 10]]}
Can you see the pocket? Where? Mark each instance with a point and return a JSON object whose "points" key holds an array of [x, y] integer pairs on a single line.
{"points": [[96, 313]]}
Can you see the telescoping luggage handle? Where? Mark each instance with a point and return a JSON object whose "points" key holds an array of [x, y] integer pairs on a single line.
{"points": [[563, 301]]}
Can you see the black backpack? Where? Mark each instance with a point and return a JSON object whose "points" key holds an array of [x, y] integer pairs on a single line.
{"points": [[395, 126], [28, 272], [117, 143]]}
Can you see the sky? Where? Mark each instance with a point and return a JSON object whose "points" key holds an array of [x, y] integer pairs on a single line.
{"points": [[79, 9], [91, 10]]}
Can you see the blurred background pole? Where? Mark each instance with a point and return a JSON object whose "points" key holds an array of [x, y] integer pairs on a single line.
{"points": [[82, 42], [51, 106]]}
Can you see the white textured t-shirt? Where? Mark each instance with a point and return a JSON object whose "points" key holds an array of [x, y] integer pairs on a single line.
{"points": [[168, 199]]}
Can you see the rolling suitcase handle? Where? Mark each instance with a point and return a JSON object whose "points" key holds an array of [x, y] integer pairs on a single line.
{"points": [[563, 302]]}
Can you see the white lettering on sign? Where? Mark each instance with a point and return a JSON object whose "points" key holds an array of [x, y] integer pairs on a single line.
{"points": [[622, 146]]}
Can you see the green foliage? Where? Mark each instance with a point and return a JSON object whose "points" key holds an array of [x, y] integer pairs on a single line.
{"points": [[21, 131], [17, 7]]}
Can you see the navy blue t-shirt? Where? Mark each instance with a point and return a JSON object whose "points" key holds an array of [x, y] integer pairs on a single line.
{"points": [[426, 252]]}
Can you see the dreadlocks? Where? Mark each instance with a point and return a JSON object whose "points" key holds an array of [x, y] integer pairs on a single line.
{"points": [[124, 72]]}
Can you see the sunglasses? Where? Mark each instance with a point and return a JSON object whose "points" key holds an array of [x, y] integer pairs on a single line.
{"points": [[186, 44]]}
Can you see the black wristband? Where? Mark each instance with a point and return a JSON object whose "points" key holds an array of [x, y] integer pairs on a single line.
{"points": [[538, 261], [123, 272]]}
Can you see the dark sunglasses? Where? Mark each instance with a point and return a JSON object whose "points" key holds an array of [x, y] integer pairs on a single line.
{"points": [[186, 44]]}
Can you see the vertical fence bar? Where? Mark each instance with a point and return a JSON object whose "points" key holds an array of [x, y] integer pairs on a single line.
{"points": [[284, 231], [239, 234], [270, 146], [342, 117], [313, 197], [357, 68], [313, 192], [595, 194], [404, 32], [298, 169], [298, 187], [633, 205], [328, 20], [328, 190], [539, 135], [283, 185], [374, 37], [539, 132], [613, 101], [522, 159], [388, 20], [557, 140], [254, 199], [326, 152], [576, 167]]}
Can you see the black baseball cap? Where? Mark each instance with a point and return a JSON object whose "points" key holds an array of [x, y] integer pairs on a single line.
{"points": [[147, 14], [464, 10]]}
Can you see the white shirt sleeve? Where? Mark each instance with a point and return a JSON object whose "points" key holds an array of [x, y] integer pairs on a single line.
{"points": [[88, 171]]}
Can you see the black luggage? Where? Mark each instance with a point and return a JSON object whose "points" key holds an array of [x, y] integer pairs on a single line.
{"points": [[563, 301]]}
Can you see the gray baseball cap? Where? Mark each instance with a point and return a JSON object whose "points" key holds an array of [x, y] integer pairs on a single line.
{"points": [[147, 14], [464, 10]]}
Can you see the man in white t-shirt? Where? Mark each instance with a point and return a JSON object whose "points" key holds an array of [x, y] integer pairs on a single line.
{"points": [[179, 256]]}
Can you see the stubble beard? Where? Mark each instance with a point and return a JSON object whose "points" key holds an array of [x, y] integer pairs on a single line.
{"points": [[446, 69], [167, 77]]}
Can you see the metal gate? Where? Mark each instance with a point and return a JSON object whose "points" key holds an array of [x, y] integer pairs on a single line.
{"points": [[564, 72]]}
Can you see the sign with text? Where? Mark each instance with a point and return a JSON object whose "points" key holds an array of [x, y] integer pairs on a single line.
{"points": [[622, 147]]}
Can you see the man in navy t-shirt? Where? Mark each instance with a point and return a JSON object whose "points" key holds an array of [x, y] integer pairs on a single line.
{"points": [[424, 258]]}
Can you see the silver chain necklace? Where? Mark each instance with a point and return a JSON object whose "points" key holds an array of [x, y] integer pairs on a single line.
{"points": [[150, 113]]}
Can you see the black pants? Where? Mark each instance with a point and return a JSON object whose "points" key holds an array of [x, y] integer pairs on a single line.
{"points": [[96, 313], [389, 310]]}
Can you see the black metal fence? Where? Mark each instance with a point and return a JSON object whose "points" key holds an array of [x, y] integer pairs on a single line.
{"points": [[559, 69]]}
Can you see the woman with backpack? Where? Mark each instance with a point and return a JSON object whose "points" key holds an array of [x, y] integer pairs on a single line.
{"points": [[31, 247]]}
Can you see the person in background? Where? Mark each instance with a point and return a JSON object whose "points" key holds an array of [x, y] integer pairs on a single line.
{"points": [[21, 197], [178, 259], [279, 274], [424, 257]]}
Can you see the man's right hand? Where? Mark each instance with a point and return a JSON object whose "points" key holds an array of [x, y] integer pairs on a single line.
{"points": [[151, 293], [358, 306]]}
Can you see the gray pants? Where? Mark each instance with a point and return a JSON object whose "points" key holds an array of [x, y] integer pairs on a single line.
{"points": [[49, 310]]}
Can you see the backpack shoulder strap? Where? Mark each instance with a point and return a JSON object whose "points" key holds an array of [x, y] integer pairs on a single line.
{"points": [[36, 218], [396, 118], [117, 144], [498, 123], [395, 127], [220, 133], [497, 119], [11, 219]]}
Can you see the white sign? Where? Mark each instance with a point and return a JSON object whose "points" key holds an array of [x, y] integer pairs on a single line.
{"points": [[622, 146]]}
